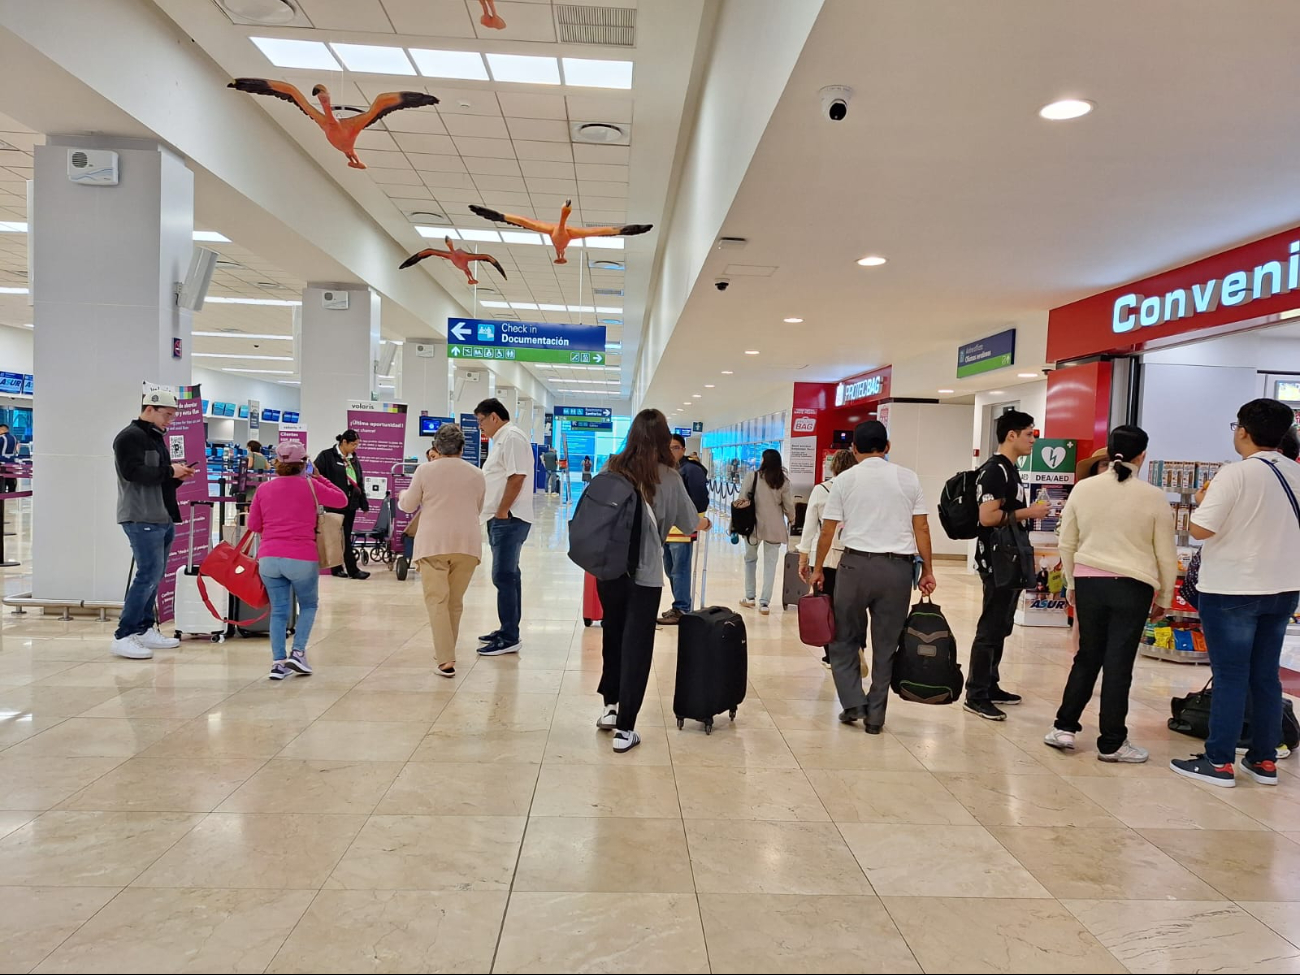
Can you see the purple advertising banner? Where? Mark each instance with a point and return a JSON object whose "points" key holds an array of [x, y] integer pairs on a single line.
{"points": [[186, 442], [292, 433], [382, 428]]}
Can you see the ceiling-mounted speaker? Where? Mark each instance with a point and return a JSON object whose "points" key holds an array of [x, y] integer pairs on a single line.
{"points": [[426, 351], [193, 291]]}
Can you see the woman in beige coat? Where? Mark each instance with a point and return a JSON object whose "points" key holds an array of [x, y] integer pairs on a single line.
{"points": [[774, 508]]}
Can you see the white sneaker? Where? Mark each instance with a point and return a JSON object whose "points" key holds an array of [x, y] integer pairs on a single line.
{"points": [[1127, 753], [131, 648], [747, 603], [1059, 739], [626, 740], [765, 609], [608, 719], [154, 640]]}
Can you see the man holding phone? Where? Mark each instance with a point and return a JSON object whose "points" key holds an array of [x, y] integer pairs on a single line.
{"points": [[147, 479]]}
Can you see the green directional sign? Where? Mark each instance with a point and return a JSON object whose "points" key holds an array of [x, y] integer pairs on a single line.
{"points": [[563, 356]]}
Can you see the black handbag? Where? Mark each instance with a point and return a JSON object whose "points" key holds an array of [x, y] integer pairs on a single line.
{"points": [[744, 517], [1191, 716], [1011, 557]]}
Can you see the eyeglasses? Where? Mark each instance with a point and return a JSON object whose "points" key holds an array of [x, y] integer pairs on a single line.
{"points": [[1233, 426]]}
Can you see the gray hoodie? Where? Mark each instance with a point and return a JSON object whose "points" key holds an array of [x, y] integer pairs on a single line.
{"points": [[671, 506]]}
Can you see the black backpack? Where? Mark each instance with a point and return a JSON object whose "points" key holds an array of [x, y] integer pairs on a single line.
{"points": [[605, 533], [959, 509], [926, 669]]}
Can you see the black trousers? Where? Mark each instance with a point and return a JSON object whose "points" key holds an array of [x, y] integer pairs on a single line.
{"points": [[349, 549], [997, 620], [1111, 614], [627, 645]]}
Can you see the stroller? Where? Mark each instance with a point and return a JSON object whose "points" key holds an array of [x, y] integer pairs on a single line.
{"points": [[373, 544]]}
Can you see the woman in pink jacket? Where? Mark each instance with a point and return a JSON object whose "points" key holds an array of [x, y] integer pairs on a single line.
{"points": [[284, 514]]}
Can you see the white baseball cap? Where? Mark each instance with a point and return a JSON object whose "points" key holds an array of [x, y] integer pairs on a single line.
{"points": [[161, 399]]}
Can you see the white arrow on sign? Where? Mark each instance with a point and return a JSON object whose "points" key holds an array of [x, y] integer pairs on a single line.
{"points": [[460, 330]]}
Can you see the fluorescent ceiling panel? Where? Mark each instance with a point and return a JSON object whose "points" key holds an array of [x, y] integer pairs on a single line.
{"points": [[12, 227], [485, 235], [260, 372], [467, 65], [609, 243], [590, 73], [241, 335], [524, 69], [372, 59], [211, 237], [13, 291], [439, 232], [495, 304], [247, 301], [310, 55], [521, 237], [236, 355]]}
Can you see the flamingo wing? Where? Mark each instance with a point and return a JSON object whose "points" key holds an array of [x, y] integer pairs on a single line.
{"points": [[279, 89], [418, 256], [631, 230], [491, 260], [386, 104], [512, 219]]}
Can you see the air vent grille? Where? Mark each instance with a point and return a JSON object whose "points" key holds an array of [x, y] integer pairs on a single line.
{"points": [[608, 292], [611, 26]]}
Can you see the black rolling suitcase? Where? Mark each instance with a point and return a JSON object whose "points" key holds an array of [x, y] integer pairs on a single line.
{"points": [[712, 654], [793, 588]]}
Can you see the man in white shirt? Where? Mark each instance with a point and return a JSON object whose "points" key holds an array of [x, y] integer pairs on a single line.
{"points": [[1249, 519], [508, 512], [885, 527]]}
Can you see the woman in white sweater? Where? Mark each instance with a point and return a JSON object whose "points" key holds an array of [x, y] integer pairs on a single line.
{"points": [[1117, 551]]}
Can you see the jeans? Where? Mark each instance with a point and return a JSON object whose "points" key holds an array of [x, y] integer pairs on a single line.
{"points": [[1244, 636], [627, 645], [1111, 614], [677, 563], [996, 623], [150, 545], [506, 537], [285, 579], [445, 579], [771, 555], [872, 588]]}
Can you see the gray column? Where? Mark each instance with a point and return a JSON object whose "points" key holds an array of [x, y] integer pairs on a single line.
{"points": [[339, 349], [425, 387]]}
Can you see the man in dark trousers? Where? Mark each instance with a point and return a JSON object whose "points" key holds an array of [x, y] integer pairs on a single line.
{"points": [[679, 549], [147, 479], [1003, 504], [8, 455]]}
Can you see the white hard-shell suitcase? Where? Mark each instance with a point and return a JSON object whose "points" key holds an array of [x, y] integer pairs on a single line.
{"points": [[191, 616]]}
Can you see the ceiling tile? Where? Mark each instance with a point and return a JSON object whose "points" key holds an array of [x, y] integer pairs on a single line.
{"points": [[402, 177], [603, 155], [544, 185], [524, 21], [614, 174], [600, 108], [351, 15], [24, 141], [598, 188], [603, 203], [519, 203], [547, 170], [429, 122], [606, 218], [540, 130], [498, 148], [486, 184], [478, 126], [387, 159], [441, 181], [489, 166], [521, 104], [415, 142], [375, 139], [412, 198], [552, 151], [373, 89], [464, 101], [433, 18], [431, 163]]}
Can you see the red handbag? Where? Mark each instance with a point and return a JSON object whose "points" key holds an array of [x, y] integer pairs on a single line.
{"points": [[234, 568], [816, 620]]}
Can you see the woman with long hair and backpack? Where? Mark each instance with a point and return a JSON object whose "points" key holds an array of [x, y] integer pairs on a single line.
{"points": [[631, 602], [1117, 551], [768, 490]]}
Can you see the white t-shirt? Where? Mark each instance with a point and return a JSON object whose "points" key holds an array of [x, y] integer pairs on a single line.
{"points": [[511, 454], [1256, 536], [874, 502]]}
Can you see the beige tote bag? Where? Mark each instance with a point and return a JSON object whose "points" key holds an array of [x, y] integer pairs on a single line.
{"points": [[329, 534]]}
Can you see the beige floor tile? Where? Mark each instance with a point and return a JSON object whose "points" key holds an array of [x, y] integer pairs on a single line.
{"points": [[787, 933], [864, 796], [604, 854], [505, 711], [589, 932], [950, 754], [998, 935], [731, 857], [937, 861], [409, 680], [448, 789], [585, 745], [488, 745], [53, 702], [160, 701], [255, 850], [16, 726], [431, 853], [847, 747], [395, 931], [319, 786], [36, 920], [999, 799], [1164, 803], [216, 736], [95, 738], [37, 782], [1188, 936], [1276, 808], [89, 849], [730, 746], [357, 741], [165, 785], [1102, 864], [273, 700], [359, 705], [10, 821], [198, 931], [1278, 915], [747, 793], [497, 676], [627, 791], [1240, 865], [803, 715]]}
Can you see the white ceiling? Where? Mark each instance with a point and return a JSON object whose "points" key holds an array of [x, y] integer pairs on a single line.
{"points": [[987, 214]]}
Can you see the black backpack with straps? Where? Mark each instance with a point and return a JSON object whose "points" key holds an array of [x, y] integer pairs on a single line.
{"points": [[605, 532], [926, 669]]}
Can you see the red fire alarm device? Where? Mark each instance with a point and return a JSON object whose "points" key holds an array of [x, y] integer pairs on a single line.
{"points": [[176, 348]]}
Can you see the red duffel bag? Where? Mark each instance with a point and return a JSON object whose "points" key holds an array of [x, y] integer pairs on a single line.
{"points": [[816, 619], [234, 568]]}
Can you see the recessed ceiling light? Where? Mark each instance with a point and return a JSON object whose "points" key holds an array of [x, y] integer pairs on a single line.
{"points": [[727, 372], [438, 232], [552, 307], [609, 243], [372, 59], [261, 372], [490, 236], [29, 325], [495, 304], [696, 395], [590, 73], [1028, 375], [237, 355], [241, 335], [21, 291], [945, 391], [524, 305], [521, 237], [997, 392], [597, 133], [12, 227], [792, 321], [211, 237], [467, 65], [751, 352], [524, 69], [871, 260], [296, 54], [247, 301], [688, 403], [261, 11], [1066, 108]]}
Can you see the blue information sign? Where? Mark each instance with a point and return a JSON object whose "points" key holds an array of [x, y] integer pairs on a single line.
{"points": [[591, 424], [995, 352], [473, 439], [483, 338], [14, 383], [597, 412]]}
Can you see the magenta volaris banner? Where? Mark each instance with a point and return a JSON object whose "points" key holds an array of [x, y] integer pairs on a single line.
{"points": [[382, 428], [293, 433]]}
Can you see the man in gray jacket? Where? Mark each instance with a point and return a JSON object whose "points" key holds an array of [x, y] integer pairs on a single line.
{"points": [[147, 511]]}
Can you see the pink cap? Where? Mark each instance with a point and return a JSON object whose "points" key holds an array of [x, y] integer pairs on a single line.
{"points": [[290, 452]]}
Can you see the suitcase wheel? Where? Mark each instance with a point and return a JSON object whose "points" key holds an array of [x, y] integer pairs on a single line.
{"points": [[708, 727], [177, 635], [733, 714], [586, 621], [218, 638], [680, 723], [402, 567]]}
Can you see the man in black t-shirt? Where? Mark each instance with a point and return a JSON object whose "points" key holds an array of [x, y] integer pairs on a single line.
{"points": [[1002, 499]]}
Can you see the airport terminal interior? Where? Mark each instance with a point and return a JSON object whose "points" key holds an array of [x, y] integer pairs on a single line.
{"points": [[467, 266]]}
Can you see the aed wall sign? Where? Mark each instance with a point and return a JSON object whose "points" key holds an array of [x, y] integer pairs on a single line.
{"points": [[1052, 462]]}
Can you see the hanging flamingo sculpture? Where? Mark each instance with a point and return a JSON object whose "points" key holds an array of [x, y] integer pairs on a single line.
{"points": [[341, 133], [461, 259], [561, 233]]}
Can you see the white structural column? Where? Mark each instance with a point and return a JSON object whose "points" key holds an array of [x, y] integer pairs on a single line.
{"points": [[509, 397], [425, 387], [339, 349], [105, 261], [472, 387], [523, 415]]}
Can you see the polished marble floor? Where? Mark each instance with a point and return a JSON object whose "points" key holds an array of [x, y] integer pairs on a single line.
{"points": [[187, 815]]}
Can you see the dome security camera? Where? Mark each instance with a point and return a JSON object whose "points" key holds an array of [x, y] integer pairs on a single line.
{"points": [[722, 284], [835, 101]]}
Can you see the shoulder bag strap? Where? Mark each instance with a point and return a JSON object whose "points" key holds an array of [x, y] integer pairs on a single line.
{"points": [[1290, 495]]}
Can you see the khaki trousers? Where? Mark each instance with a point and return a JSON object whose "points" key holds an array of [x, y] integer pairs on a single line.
{"points": [[445, 579]]}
